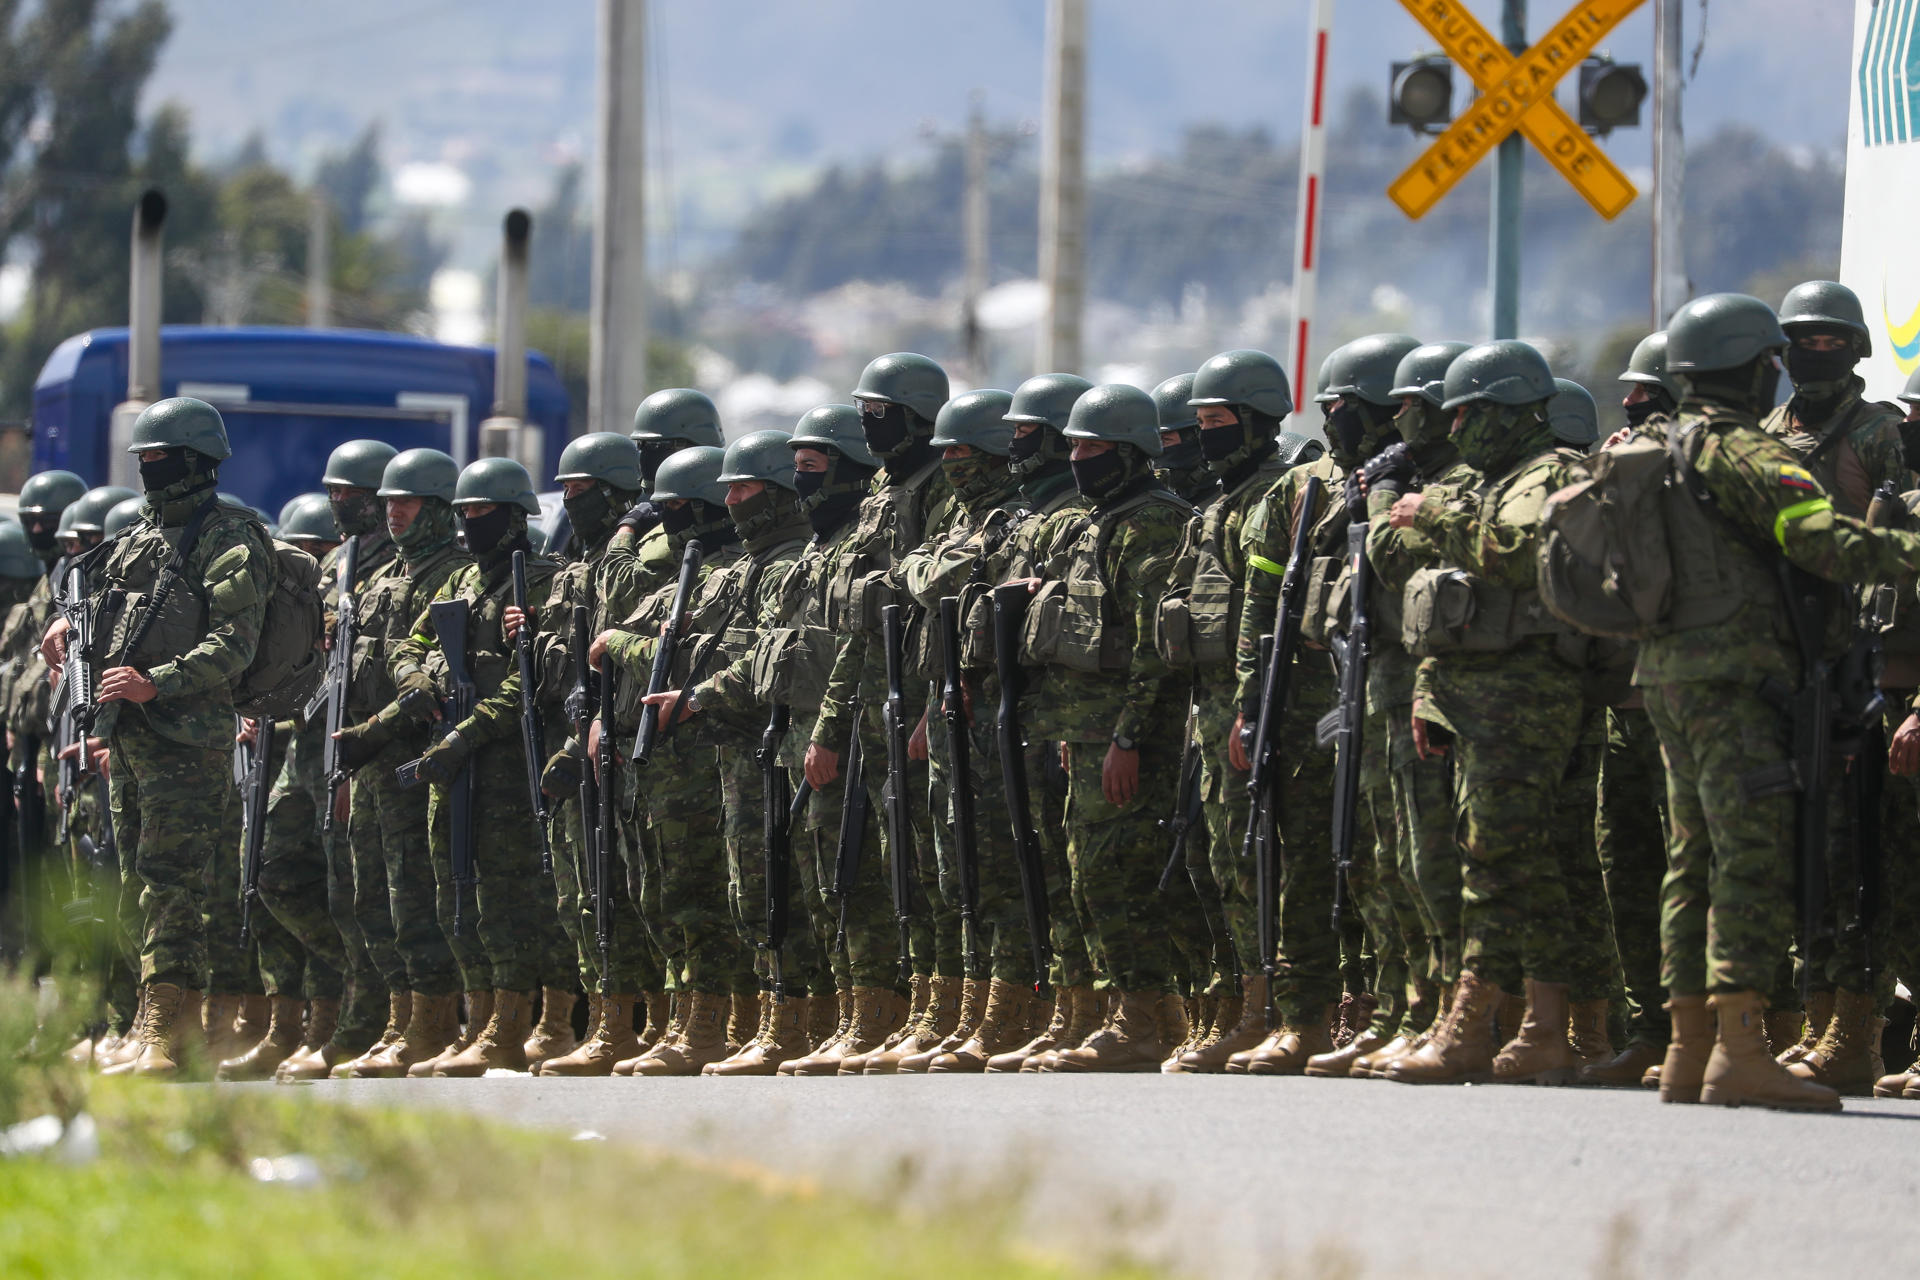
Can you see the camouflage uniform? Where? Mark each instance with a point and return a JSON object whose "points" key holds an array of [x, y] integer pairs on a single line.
{"points": [[516, 928], [172, 757], [293, 877], [1631, 837], [901, 514]]}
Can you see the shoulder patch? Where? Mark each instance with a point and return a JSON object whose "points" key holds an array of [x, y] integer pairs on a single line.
{"points": [[1794, 477]]}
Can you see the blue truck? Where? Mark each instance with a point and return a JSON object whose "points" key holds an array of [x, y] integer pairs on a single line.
{"points": [[289, 396]]}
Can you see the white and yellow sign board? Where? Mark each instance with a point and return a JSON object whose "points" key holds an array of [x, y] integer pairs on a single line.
{"points": [[1880, 245]]}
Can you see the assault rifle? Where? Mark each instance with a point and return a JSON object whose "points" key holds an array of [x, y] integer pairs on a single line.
{"points": [[449, 619], [953, 709], [1277, 654], [1009, 614], [74, 705], [663, 655], [332, 693], [1343, 728], [532, 739], [893, 720], [776, 831], [580, 712], [605, 833], [256, 786], [853, 828]]}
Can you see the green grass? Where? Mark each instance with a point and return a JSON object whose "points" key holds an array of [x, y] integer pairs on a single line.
{"points": [[425, 1194]]}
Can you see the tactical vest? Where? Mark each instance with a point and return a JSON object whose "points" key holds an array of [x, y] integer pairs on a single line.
{"points": [[1074, 622], [489, 657], [889, 523], [1199, 622], [1830, 455], [389, 605], [792, 663], [130, 571]]}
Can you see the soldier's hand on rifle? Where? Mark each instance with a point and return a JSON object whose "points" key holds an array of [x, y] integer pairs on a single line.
{"points": [[597, 651], [96, 759], [249, 730], [1237, 745], [562, 776], [53, 645], [445, 758], [917, 740], [1903, 757], [510, 622], [125, 684], [662, 704], [822, 765], [1429, 739], [1403, 510], [1120, 775], [417, 697], [1031, 584], [359, 743]]}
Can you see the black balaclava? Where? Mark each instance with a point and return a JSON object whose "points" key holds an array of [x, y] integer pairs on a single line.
{"points": [[483, 535], [829, 498], [1117, 473], [1657, 402], [357, 512], [595, 510], [705, 522], [1820, 378]]}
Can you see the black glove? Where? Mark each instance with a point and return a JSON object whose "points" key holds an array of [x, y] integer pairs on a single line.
{"points": [[562, 775], [1392, 471], [642, 517], [1356, 499], [360, 743]]}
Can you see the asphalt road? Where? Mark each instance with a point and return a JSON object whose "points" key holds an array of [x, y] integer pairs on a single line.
{"points": [[1220, 1175]]}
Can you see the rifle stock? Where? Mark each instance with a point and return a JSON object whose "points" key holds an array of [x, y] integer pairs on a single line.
{"points": [[953, 710], [450, 625], [669, 646], [1009, 613], [894, 795], [532, 738]]}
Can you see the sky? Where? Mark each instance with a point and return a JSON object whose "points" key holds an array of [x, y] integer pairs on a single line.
{"points": [[486, 98]]}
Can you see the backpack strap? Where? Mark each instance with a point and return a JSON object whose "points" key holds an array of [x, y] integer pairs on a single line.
{"points": [[169, 575]]}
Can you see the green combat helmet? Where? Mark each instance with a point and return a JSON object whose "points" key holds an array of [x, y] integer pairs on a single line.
{"points": [[833, 427], [1046, 399], [1719, 332], [1573, 416], [907, 379], [977, 419], [420, 473], [16, 553], [1826, 304], [286, 508], [308, 518], [692, 475], [1647, 366], [758, 455], [1422, 371], [496, 480], [677, 413], [1504, 373], [606, 456], [1118, 414], [49, 493], [1171, 400], [358, 464], [122, 515], [1364, 369], [89, 514], [181, 422], [1250, 379]]}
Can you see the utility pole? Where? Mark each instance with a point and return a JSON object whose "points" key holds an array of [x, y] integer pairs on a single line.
{"points": [[617, 360], [1306, 222], [974, 226], [1503, 255], [1671, 287], [319, 263], [1063, 189]]}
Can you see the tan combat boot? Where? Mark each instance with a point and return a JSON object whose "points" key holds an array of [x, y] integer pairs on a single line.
{"points": [[1176, 1022], [740, 1044], [875, 1013], [552, 1036], [1625, 1069], [829, 1045], [1507, 1019], [1587, 1031], [679, 1003], [933, 1003], [1680, 1072], [703, 1038], [1784, 1027], [743, 1024], [1199, 1023], [1740, 1071], [973, 1006], [1354, 1017], [113, 1055], [1130, 1042], [221, 1017], [1539, 1052], [1373, 1066], [1245, 1032], [937, 1021], [281, 1041], [1285, 1051], [501, 1044], [613, 1039], [1048, 1037], [1895, 1085], [167, 1036], [312, 1060], [651, 1013], [256, 1013], [399, 1011], [433, 1026], [1819, 1013], [1461, 1046], [782, 1037], [1847, 1058], [1340, 1062], [593, 1029], [823, 1018], [1004, 1025], [1088, 1017], [479, 1013]]}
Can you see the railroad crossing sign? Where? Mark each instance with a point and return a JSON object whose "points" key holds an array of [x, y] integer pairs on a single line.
{"points": [[1516, 92]]}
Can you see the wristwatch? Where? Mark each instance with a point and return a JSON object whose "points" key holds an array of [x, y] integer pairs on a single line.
{"points": [[1125, 744]]}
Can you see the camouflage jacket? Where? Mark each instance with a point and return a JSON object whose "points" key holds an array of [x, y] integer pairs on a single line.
{"points": [[1266, 541], [1394, 555], [1854, 450]]}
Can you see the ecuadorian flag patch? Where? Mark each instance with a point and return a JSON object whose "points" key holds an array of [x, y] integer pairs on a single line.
{"points": [[1796, 478]]}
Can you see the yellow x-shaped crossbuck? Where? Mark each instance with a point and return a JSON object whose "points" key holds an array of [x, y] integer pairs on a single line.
{"points": [[1515, 93]]}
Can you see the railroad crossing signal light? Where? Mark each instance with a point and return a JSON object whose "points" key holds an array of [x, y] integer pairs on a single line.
{"points": [[1421, 96], [1610, 95]]}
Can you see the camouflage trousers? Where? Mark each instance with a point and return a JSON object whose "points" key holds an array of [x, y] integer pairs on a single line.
{"points": [[394, 877], [175, 819], [1307, 970], [292, 866], [1072, 964], [1593, 964], [231, 969], [1726, 904], [1516, 720], [801, 959], [1116, 857], [1000, 936], [633, 963], [1421, 793], [1384, 895], [686, 841], [1224, 807], [1632, 840]]}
